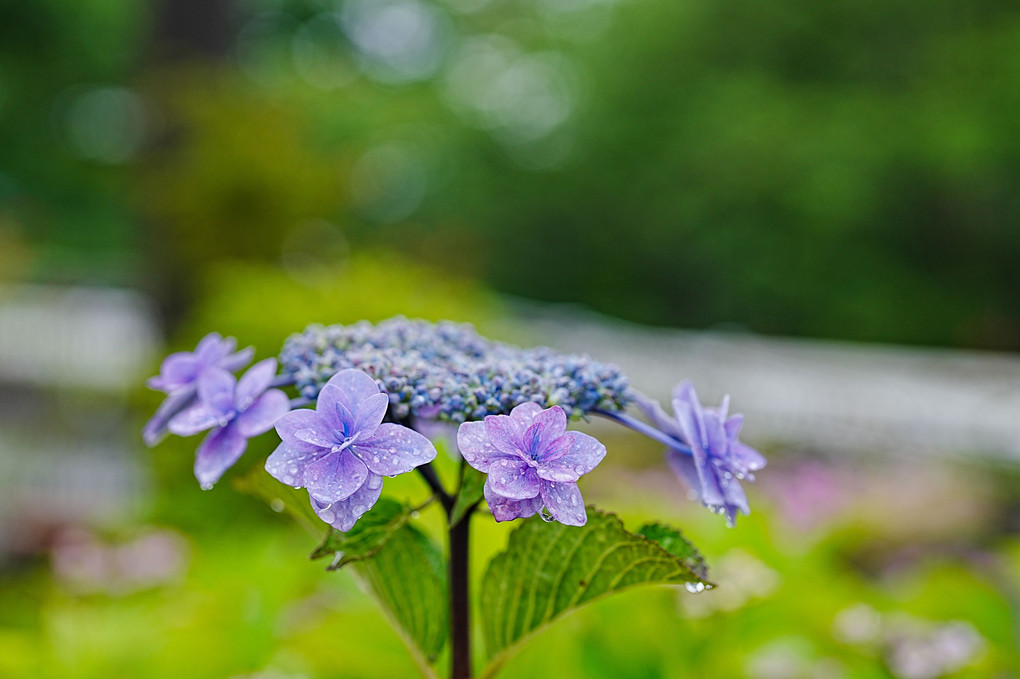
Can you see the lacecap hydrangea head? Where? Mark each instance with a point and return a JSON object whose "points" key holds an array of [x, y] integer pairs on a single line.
{"points": [[449, 372]]}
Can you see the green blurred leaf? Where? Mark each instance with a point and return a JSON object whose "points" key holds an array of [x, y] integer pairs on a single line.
{"points": [[367, 537], [549, 569], [470, 493], [281, 498]]}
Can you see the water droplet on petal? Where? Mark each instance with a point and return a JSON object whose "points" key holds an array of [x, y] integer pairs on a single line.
{"points": [[205, 485], [504, 462], [359, 509], [327, 515], [694, 587]]}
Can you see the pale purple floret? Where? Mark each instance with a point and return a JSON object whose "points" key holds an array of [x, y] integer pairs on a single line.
{"points": [[341, 450], [235, 410], [718, 461], [532, 462], [178, 378]]}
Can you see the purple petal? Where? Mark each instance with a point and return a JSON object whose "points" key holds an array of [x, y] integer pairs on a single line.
{"points": [[263, 413], [369, 414], [724, 408], [552, 424], [473, 442], [213, 347], [335, 477], [300, 420], [526, 412], [216, 389], [692, 418], [734, 495], [286, 464], [331, 405], [583, 454], [564, 502], [733, 425], [156, 428], [235, 362], [254, 382], [344, 514], [178, 370], [745, 458], [709, 490], [662, 421], [505, 509], [684, 467], [688, 422], [514, 479], [217, 453], [394, 449], [355, 385], [506, 432], [198, 417]]}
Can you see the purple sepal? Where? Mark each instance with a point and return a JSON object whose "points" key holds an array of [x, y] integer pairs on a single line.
{"points": [[341, 450], [531, 462]]}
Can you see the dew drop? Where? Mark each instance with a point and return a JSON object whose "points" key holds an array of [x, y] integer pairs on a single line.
{"points": [[205, 485], [376, 459], [277, 505], [327, 515], [504, 463], [359, 509], [579, 469], [694, 587], [573, 499], [503, 480]]}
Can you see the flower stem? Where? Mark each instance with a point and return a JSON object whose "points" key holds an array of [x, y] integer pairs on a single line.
{"points": [[460, 601], [646, 429]]}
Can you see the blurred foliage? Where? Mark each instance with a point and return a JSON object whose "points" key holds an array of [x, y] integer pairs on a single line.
{"points": [[817, 168]]}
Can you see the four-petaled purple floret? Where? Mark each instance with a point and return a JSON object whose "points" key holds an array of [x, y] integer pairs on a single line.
{"points": [[532, 463], [235, 410], [178, 378], [718, 461], [341, 450]]}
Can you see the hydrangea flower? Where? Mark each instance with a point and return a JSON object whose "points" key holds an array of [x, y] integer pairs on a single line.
{"points": [[341, 450], [532, 462], [718, 461], [179, 373], [235, 410], [449, 372]]}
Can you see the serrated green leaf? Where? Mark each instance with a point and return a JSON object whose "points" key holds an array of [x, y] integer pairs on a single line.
{"points": [[366, 538], [407, 575], [674, 542], [549, 569], [472, 482]]}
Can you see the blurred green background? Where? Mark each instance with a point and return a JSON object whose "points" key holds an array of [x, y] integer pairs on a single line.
{"points": [[830, 169]]}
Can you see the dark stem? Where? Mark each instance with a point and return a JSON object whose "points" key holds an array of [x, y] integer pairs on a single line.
{"points": [[429, 474], [460, 602]]}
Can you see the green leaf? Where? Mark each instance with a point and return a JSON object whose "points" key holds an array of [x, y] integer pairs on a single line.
{"points": [[674, 542], [407, 575], [367, 537], [470, 493], [405, 571], [549, 569]]}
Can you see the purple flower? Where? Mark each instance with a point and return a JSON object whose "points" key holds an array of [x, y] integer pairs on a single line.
{"points": [[236, 410], [532, 462], [341, 450], [718, 461], [178, 377]]}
